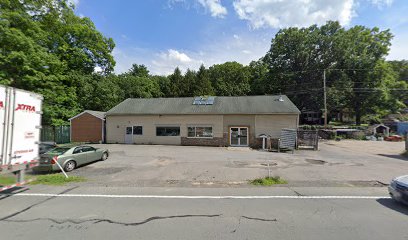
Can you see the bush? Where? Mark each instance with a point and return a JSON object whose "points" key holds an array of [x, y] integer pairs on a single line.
{"points": [[268, 181]]}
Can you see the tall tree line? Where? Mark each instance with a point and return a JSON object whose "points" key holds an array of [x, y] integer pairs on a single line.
{"points": [[46, 48]]}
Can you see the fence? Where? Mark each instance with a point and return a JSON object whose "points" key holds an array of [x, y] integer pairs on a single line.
{"points": [[308, 139], [59, 134], [287, 140]]}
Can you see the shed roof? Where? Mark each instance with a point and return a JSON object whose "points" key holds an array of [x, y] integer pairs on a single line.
{"points": [[375, 126], [265, 104], [98, 114]]}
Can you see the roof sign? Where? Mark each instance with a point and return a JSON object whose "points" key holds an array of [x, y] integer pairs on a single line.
{"points": [[204, 100]]}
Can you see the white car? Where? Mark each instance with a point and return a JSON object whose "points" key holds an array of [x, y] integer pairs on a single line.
{"points": [[399, 189]]}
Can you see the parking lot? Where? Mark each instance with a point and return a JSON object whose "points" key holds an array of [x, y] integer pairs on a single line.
{"points": [[345, 163]]}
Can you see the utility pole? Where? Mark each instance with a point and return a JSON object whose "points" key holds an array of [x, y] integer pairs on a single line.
{"points": [[325, 98]]}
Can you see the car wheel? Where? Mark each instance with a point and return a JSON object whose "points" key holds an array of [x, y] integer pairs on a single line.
{"points": [[104, 156], [69, 166]]}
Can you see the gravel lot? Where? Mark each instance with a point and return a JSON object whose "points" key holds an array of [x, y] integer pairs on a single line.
{"points": [[344, 163]]}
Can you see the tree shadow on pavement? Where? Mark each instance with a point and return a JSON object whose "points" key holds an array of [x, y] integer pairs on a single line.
{"points": [[394, 205]]}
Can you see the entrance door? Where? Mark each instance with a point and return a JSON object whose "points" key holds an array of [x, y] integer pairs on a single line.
{"points": [[129, 135], [239, 136]]}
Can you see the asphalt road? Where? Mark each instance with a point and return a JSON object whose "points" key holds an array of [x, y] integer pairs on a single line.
{"points": [[172, 213]]}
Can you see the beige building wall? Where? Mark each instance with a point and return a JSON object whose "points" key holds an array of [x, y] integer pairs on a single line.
{"points": [[116, 126], [240, 121], [273, 124]]}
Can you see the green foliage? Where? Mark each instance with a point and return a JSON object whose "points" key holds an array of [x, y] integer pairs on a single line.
{"points": [[56, 179], [230, 79], [137, 87], [268, 181], [202, 85], [357, 75], [42, 42], [138, 71], [176, 80], [7, 180]]}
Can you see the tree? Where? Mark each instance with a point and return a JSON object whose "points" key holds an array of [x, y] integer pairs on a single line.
{"points": [[363, 51], [259, 78], [43, 47], [353, 59], [230, 79], [98, 92], [202, 84], [296, 61], [138, 71], [176, 80], [164, 85], [401, 68], [187, 83], [138, 87]]}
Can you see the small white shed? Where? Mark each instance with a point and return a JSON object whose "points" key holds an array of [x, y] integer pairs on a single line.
{"points": [[379, 129]]}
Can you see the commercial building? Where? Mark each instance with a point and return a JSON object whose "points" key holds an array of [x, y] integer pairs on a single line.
{"points": [[209, 121]]}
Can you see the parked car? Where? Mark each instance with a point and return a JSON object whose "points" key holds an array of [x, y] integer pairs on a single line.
{"points": [[399, 189], [46, 146], [70, 157]]}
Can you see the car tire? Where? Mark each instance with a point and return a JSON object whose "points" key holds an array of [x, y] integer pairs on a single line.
{"points": [[69, 166], [104, 156]]}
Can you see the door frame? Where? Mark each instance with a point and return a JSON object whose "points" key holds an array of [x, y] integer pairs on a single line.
{"points": [[239, 140]]}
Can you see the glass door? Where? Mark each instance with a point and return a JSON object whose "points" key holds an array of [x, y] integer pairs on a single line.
{"points": [[234, 141], [239, 136], [243, 136]]}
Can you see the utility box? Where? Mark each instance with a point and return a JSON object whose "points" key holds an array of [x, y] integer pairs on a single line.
{"points": [[20, 116]]}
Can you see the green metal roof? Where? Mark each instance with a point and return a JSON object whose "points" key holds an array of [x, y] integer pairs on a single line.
{"points": [[222, 105]]}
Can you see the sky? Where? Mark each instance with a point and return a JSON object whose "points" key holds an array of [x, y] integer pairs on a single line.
{"points": [[165, 34]]}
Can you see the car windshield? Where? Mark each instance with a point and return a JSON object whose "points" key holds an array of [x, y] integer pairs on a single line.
{"points": [[58, 151]]}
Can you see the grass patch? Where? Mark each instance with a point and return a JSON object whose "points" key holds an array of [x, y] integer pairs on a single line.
{"points": [[268, 181], [56, 179], [6, 180]]}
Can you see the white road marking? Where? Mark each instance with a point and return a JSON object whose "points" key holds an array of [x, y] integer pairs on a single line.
{"points": [[192, 197]]}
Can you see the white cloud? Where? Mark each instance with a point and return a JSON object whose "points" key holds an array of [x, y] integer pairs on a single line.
{"points": [[381, 3], [176, 56], [280, 13], [243, 50], [215, 7]]}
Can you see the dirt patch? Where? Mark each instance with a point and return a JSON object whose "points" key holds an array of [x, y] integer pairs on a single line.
{"points": [[242, 164], [316, 161]]}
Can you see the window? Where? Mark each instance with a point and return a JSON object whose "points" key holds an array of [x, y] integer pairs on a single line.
{"points": [[88, 149], [77, 150], [167, 131], [58, 151], [200, 132], [137, 130]]}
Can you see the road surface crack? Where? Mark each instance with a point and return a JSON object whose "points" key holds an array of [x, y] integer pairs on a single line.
{"points": [[296, 192], [252, 218], [260, 219], [98, 220], [36, 204]]}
